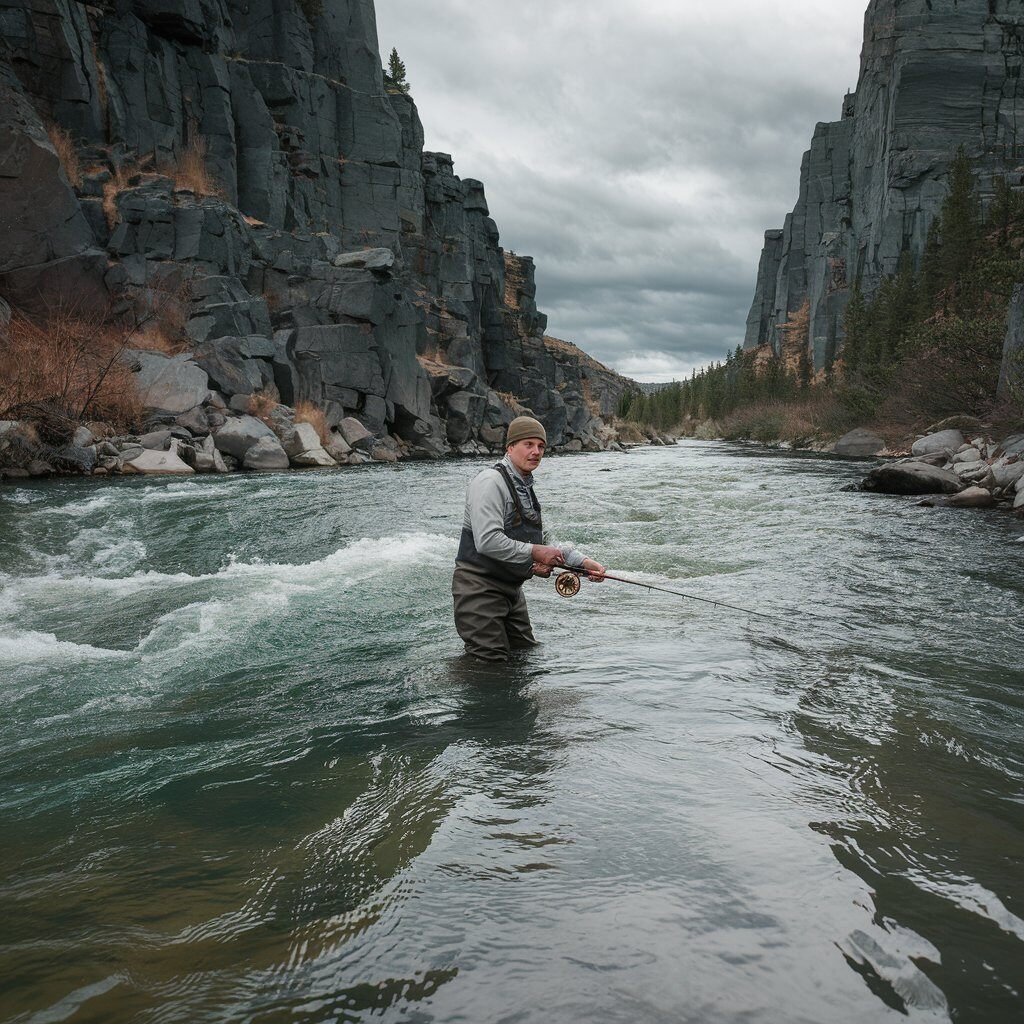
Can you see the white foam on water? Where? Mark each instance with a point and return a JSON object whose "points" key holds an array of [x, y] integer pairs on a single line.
{"points": [[244, 595], [27, 647]]}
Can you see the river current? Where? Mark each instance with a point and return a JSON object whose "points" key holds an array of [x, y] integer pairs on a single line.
{"points": [[245, 774]]}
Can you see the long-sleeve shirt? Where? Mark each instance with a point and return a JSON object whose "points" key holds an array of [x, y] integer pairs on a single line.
{"points": [[489, 508]]}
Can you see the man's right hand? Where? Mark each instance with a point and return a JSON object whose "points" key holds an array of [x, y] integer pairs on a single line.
{"points": [[547, 555]]}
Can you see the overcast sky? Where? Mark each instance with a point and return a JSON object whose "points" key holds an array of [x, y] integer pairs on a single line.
{"points": [[637, 151]]}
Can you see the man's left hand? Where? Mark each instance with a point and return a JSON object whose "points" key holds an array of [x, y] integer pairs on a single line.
{"points": [[540, 569]]}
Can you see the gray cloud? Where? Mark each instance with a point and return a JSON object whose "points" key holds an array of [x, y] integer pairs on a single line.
{"points": [[637, 154]]}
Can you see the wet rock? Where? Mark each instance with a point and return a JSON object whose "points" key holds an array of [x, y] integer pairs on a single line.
{"points": [[972, 497], [911, 478], [265, 454]]}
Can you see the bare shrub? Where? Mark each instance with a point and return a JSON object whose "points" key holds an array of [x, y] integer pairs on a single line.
{"points": [[67, 153], [67, 368], [308, 412], [261, 405]]}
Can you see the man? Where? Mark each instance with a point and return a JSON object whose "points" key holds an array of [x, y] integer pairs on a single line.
{"points": [[502, 546]]}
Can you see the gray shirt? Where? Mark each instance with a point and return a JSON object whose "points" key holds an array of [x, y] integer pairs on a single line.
{"points": [[489, 507]]}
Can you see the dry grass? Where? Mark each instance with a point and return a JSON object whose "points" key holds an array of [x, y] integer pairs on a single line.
{"points": [[308, 412], [191, 173], [819, 418], [67, 153], [68, 368], [158, 336], [512, 402], [120, 176]]}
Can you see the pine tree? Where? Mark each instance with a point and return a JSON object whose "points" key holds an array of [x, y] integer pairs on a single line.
{"points": [[960, 220], [396, 71]]}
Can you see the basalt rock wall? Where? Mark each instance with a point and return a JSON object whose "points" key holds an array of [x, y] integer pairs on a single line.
{"points": [[934, 75], [319, 255]]}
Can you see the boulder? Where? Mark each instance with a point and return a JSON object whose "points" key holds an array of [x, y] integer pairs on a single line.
{"points": [[154, 463], [168, 385], [381, 453], [1007, 473], [266, 454], [76, 459], [947, 441], [1013, 445], [240, 433], [299, 438], [911, 478], [158, 440], [338, 448], [1018, 502], [313, 457], [83, 437], [968, 455], [355, 434], [972, 497], [195, 421], [368, 259]]}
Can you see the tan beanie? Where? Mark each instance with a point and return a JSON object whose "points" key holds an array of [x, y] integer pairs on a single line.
{"points": [[523, 427]]}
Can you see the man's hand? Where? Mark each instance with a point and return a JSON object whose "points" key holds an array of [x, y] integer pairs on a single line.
{"points": [[595, 570], [540, 569], [545, 554]]}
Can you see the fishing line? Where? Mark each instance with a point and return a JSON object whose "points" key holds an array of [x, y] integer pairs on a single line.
{"points": [[567, 584]]}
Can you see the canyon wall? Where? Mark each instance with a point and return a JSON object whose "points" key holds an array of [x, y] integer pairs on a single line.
{"points": [[934, 75], [246, 170]]}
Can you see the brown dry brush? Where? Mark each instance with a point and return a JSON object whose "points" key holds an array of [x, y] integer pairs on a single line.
{"points": [[66, 369], [308, 412]]}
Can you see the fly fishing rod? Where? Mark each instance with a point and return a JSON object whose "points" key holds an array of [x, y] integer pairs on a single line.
{"points": [[567, 583]]}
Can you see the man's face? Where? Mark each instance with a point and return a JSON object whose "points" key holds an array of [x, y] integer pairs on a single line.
{"points": [[526, 454]]}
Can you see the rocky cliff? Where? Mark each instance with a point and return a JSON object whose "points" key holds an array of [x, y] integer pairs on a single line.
{"points": [[934, 75], [245, 170]]}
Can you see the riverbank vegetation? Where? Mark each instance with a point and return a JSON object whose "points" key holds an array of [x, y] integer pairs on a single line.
{"points": [[926, 345]]}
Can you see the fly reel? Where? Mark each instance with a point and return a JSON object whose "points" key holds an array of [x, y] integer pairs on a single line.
{"points": [[567, 584]]}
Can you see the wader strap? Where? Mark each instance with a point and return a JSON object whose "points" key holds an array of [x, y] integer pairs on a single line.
{"points": [[520, 512]]}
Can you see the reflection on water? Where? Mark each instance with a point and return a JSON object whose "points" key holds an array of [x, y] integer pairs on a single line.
{"points": [[245, 774]]}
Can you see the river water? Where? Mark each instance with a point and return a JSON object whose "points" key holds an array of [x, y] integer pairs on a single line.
{"points": [[246, 776]]}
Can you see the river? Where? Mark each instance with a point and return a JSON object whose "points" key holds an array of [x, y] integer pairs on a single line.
{"points": [[246, 776]]}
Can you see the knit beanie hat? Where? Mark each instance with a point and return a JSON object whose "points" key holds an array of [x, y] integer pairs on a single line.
{"points": [[523, 427]]}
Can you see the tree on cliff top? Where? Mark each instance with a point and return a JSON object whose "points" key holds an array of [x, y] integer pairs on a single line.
{"points": [[395, 73]]}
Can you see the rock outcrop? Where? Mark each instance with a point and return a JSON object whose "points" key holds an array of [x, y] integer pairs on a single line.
{"points": [[244, 170], [934, 75]]}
